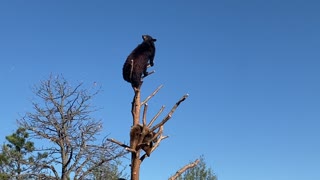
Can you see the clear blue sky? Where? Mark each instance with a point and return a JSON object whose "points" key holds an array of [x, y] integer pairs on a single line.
{"points": [[251, 69]]}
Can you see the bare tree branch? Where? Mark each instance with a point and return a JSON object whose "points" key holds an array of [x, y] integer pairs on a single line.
{"points": [[156, 116], [144, 115], [53, 170], [183, 169], [63, 116], [160, 138], [170, 113], [122, 145], [151, 95]]}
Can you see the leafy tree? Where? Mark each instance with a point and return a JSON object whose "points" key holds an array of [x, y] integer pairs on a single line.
{"points": [[16, 158], [109, 171], [63, 116], [199, 172]]}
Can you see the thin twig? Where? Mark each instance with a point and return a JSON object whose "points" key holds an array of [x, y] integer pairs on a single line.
{"points": [[122, 145], [131, 70], [151, 95], [149, 73], [170, 113], [144, 116], [156, 144], [156, 116]]}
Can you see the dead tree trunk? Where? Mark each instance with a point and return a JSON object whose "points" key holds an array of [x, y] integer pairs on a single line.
{"points": [[135, 156], [144, 136]]}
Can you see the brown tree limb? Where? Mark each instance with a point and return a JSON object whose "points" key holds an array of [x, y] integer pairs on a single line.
{"points": [[135, 161], [183, 169], [136, 105], [52, 169], [122, 145], [169, 115]]}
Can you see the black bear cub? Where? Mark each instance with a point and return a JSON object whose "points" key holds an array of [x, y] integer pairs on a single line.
{"points": [[137, 61]]}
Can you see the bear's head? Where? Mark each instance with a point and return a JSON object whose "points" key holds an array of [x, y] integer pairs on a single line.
{"points": [[148, 38]]}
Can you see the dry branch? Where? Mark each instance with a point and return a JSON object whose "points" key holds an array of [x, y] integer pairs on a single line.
{"points": [[151, 95], [161, 137], [136, 105], [62, 115], [183, 169], [156, 116], [144, 116], [170, 113], [121, 144]]}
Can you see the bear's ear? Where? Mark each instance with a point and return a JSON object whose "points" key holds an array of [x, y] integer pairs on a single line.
{"points": [[146, 37]]}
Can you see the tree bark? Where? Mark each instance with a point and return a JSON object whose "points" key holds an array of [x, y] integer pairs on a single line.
{"points": [[135, 156]]}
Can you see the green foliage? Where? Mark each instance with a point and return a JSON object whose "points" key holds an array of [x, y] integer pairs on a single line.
{"points": [[11, 157], [17, 141], [199, 172], [16, 158], [4, 176], [108, 171]]}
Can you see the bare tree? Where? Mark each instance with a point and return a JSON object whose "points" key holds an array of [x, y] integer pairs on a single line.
{"points": [[145, 136], [63, 116]]}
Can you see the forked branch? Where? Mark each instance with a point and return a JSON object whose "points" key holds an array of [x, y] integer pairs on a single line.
{"points": [[161, 137], [158, 137]]}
